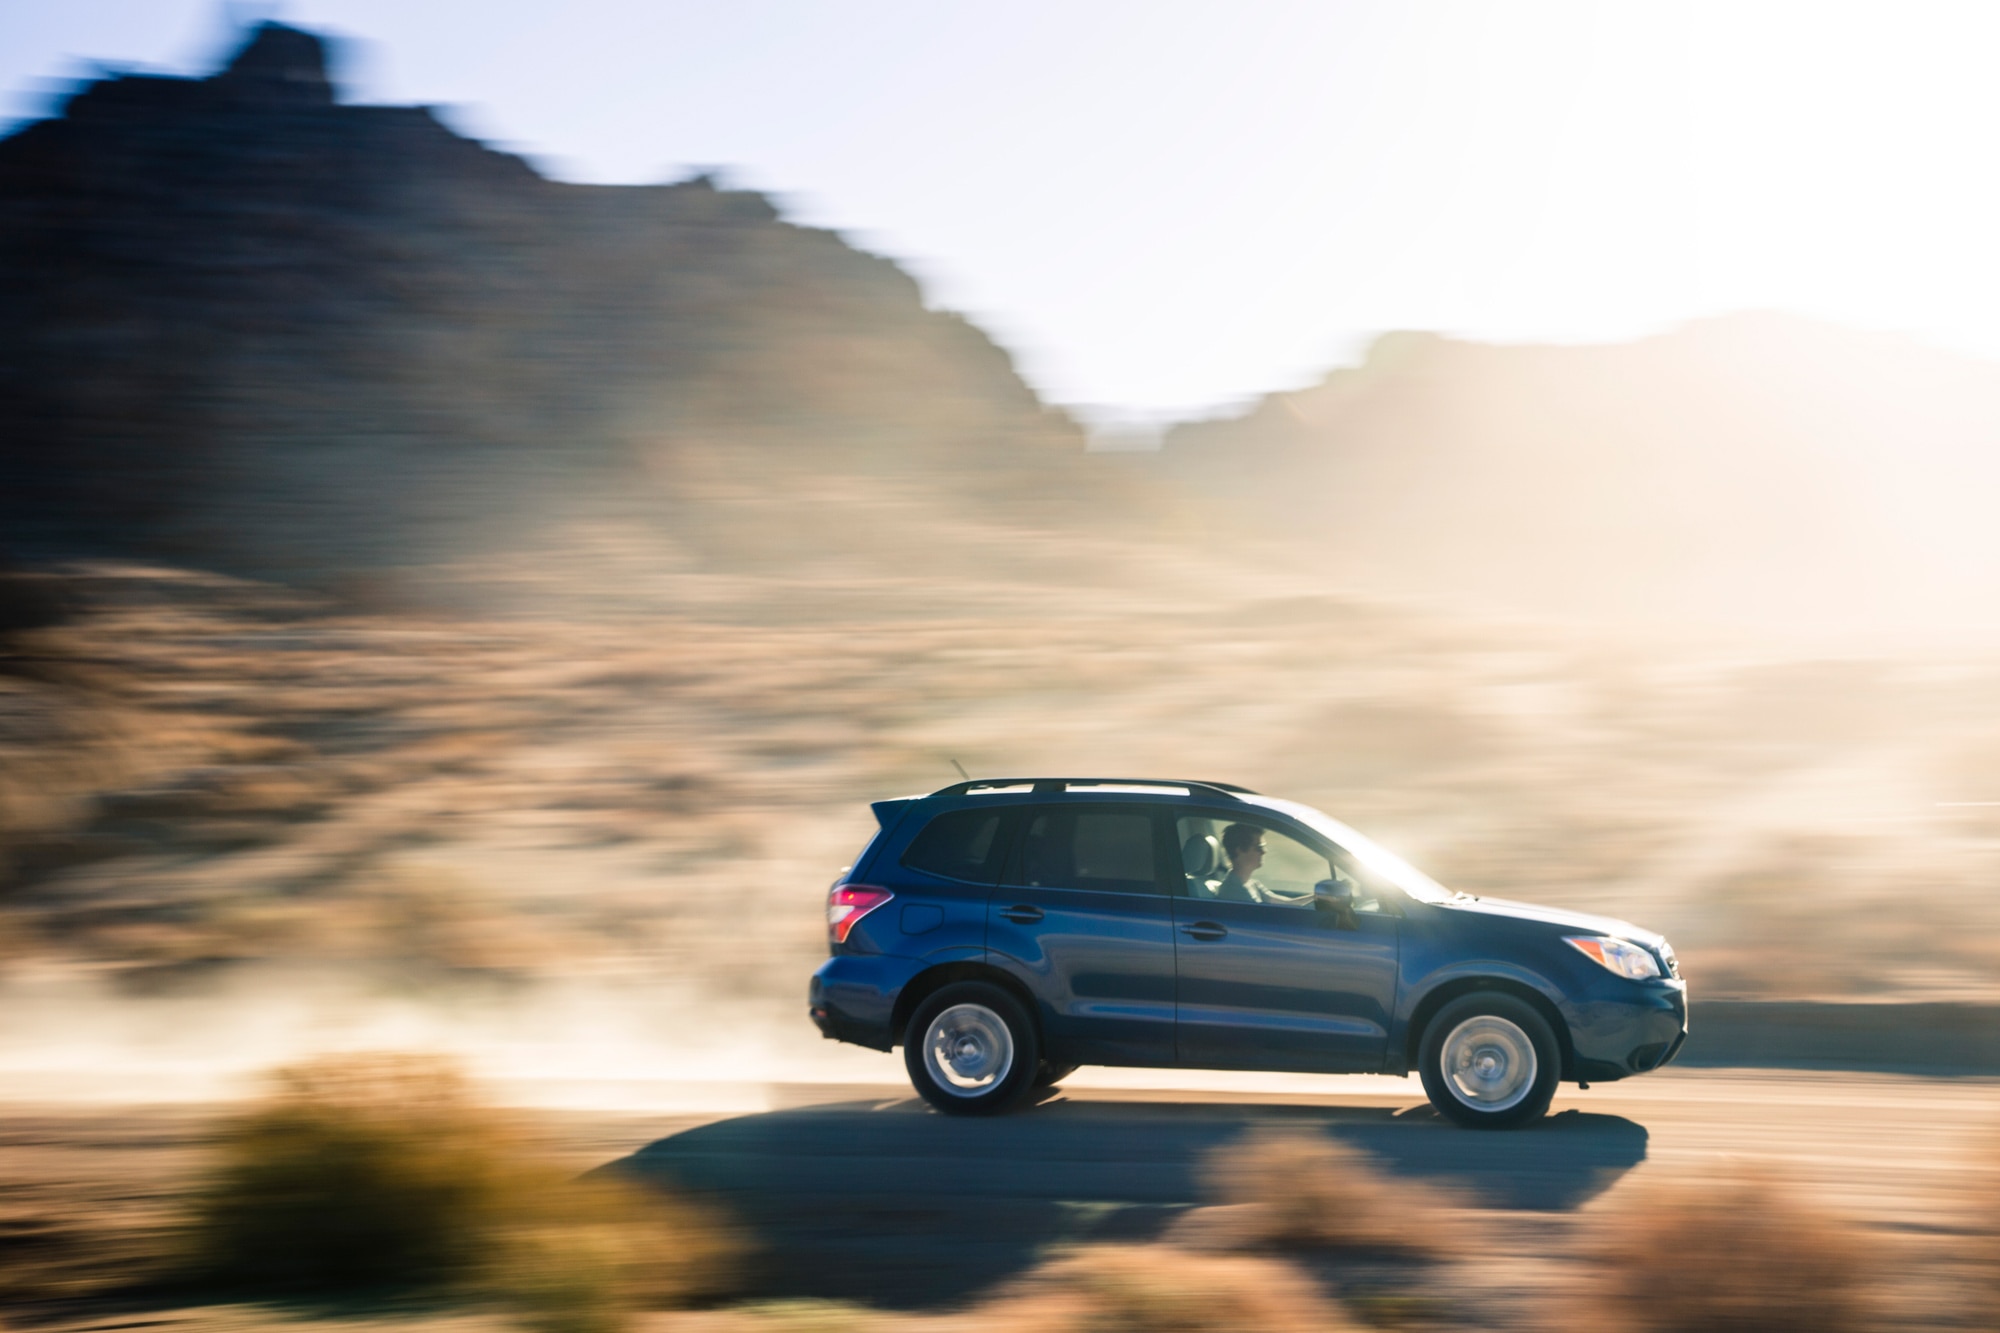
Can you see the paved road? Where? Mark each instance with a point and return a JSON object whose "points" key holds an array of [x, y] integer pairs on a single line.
{"points": [[864, 1192]]}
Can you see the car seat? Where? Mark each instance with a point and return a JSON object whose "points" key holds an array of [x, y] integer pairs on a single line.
{"points": [[1201, 857]]}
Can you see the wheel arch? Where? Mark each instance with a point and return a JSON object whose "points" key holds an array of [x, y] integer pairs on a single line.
{"points": [[1427, 1009], [930, 981]]}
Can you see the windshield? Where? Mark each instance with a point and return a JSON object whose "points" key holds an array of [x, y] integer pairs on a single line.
{"points": [[1372, 856]]}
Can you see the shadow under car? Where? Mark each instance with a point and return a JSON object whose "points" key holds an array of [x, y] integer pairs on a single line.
{"points": [[890, 1202]]}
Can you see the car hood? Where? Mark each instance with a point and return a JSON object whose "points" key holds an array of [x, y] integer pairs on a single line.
{"points": [[1583, 923]]}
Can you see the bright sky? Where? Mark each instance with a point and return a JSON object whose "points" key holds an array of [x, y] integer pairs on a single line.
{"points": [[1164, 205]]}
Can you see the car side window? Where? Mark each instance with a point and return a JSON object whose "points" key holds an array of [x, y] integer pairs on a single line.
{"points": [[960, 844], [1108, 848], [1225, 859]]}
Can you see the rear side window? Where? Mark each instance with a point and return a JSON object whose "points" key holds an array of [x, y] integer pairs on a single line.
{"points": [[1083, 848], [963, 844]]}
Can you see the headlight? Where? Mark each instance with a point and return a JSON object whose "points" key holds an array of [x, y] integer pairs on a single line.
{"points": [[1627, 960]]}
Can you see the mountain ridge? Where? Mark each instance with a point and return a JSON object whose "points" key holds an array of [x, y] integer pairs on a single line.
{"points": [[281, 334], [1755, 470]]}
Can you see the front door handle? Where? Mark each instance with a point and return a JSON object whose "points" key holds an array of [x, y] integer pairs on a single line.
{"points": [[1204, 930], [1022, 914]]}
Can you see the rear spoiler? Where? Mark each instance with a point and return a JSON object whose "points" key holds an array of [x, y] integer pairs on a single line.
{"points": [[888, 812]]}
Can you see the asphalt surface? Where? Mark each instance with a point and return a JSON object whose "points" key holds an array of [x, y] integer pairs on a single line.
{"points": [[865, 1193]]}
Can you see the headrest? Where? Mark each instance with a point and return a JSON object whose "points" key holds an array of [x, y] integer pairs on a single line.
{"points": [[1200, 855]]}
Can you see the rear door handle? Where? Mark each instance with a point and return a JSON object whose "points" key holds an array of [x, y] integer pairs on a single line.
{"points": [[1022, 914], [1204, 930]]}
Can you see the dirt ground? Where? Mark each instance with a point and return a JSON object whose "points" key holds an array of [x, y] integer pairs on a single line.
{"points": [[203, 776], [87, 1191]]}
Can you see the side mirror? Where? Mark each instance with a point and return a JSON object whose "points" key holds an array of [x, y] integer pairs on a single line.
{"points": [[1333, 893], [1337, 897]]}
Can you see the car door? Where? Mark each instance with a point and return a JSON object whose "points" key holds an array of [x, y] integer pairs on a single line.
{"points": [[1084, 916], [1265, 979]]}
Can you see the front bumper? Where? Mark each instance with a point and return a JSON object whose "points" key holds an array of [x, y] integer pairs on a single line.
{"points": [[1638, 1030]]}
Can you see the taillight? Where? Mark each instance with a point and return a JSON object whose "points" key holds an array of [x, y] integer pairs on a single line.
{"points": [[847, 904]]}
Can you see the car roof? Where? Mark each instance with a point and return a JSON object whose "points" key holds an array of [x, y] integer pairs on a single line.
{"points": [[1093, 787]]}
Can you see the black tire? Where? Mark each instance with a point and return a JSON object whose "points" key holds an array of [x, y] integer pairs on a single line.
{"points": [[995, 1059], [1506, 1057], [1048, 1075]]}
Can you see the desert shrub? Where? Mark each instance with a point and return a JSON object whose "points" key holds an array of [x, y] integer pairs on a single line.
{"points": [[588, 1253], [357, 1173], [816, 1316], [1161, 1289], [365, 1176], [1289, 1188], [1742, 1256], [30, 601], [43, 1257]]}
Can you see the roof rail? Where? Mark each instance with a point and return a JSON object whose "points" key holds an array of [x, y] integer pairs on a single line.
{"points": [[1229, 789]]}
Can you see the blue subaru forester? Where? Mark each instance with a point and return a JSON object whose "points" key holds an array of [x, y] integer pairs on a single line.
{"points": [[1006, 931]]}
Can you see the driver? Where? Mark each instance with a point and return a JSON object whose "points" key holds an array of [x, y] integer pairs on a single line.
{"points": [[1243, 845]]}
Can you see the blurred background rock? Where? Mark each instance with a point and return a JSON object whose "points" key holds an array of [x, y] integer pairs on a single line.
{"points": [[293, 338]]}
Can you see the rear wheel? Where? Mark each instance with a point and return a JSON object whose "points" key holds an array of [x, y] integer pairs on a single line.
{"points": [[1490, 1061], [971, 1049]]}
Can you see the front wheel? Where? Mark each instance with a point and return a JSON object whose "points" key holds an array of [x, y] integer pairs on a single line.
{"points": [[1490, 1061], [971, 1049]]}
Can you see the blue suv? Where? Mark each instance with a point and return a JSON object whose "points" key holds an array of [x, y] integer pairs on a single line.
{"points": [[1006, 931]]}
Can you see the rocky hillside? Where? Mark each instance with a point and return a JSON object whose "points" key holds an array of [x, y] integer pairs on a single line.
{"points": [[1751, 472], [256, 327]]}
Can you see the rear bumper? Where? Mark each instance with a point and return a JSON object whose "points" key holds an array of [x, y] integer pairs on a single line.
{"points": [[852, 998], [1639, 1030]]}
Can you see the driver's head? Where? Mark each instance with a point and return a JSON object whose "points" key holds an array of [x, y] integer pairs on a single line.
{"points": [[1243, 844]]}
